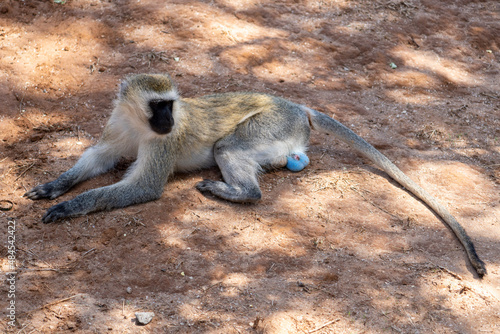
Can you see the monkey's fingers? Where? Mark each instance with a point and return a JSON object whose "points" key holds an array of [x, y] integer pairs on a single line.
{"points": [[47, 190], [56, 212], [41, 191]]}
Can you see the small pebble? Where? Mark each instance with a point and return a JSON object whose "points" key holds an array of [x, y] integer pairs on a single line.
{"points": [[144, 318]]}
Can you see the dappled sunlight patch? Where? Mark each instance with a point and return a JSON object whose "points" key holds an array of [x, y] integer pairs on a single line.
{"points": [[142, 34], [411, 80], [173, 237], [40, 61], [244, 57], [70, 146], [444, 69], [240, 4], [190, 310], [351, 29], [374, 245], [451, 177], [280, 323], [232, 31], [278, 59], [461, 187], [409, 96], [213, 25], [275, 70], [280, 239], [240, 280], [262, 60]]}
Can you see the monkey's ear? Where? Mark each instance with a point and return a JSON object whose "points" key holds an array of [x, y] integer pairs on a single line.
{"points": [[123, 88]]}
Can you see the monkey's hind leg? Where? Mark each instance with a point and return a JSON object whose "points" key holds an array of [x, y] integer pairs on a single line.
{"points": [[239, 171]]}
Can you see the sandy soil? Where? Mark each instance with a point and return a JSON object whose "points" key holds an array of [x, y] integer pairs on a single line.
{"points": [[337, 248]]}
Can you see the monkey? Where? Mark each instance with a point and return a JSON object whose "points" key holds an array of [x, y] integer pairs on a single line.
{"points": [[243, 133]]}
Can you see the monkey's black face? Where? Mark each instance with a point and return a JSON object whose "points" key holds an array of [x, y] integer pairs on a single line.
{"points": [[162, 120]]}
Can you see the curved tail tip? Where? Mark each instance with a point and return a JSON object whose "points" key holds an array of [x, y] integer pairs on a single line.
{"points": [[481, 270], [478, 265]]}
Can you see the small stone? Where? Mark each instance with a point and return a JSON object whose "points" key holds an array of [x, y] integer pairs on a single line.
{"points": [[129, 290], [144, 318]]}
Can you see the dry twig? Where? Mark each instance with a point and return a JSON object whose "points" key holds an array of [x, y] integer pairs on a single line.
{"points": [[51, 304], [323, 326], [27, 169]]}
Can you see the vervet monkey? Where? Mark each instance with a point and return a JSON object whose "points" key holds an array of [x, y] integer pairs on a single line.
{"points": [[243, 134]]}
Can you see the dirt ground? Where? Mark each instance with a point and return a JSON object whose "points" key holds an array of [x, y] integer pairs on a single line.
{"points": [[336, 248]]}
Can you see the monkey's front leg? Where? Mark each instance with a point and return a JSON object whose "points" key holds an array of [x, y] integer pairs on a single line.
{"points": [[118, 195], [144, 182], [94, 161]]}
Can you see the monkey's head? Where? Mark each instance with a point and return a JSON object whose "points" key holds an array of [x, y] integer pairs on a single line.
{"points": [[149, 99]]}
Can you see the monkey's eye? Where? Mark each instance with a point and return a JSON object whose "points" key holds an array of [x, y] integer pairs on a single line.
{"points": [[160, 104]]}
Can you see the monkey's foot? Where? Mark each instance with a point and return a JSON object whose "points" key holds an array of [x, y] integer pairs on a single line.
{"points": [[248, 193], [297, 161]]}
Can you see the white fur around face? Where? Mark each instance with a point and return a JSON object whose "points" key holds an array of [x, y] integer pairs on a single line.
{"points": [[133, 114]]}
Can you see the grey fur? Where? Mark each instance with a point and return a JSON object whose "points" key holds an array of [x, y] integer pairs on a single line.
{"points": [[242, 133]]}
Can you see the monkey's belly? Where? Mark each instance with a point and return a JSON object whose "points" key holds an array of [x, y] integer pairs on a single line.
{"points": [[271, 154], [202, 158]]}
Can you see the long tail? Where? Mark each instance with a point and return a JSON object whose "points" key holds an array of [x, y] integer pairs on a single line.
{"points": [[324, 123]]}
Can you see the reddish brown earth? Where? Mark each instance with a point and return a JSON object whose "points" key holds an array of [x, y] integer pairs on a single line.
{"points": [[337, 248]]}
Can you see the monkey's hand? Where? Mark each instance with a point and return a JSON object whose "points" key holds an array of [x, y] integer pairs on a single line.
{"points": [[48, 190], [58, 211]]}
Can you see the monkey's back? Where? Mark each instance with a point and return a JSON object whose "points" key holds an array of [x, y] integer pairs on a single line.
{"points": [[269, 120]]}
